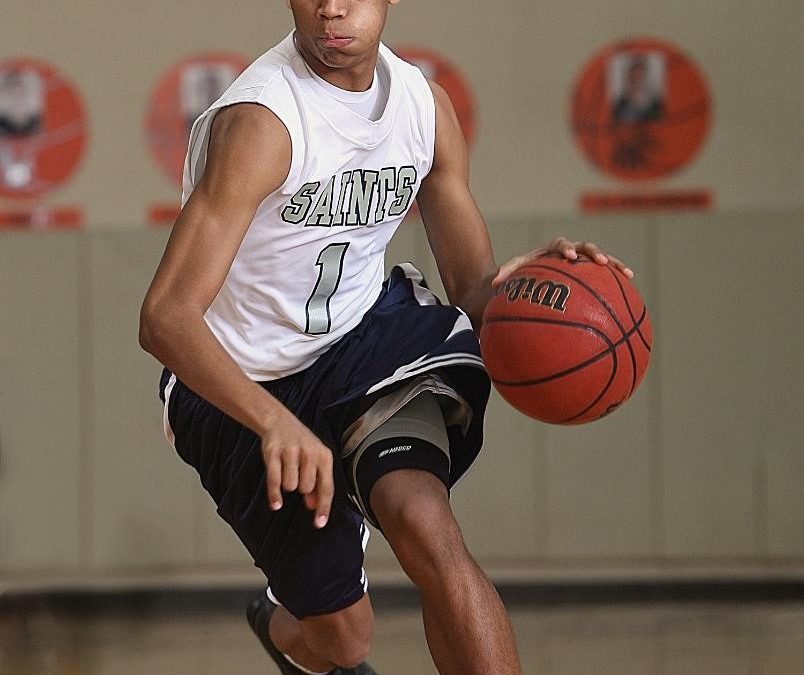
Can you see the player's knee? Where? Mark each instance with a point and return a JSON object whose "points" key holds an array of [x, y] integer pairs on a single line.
{"points": [[424, 535], [342, 647], [344, 637], [351, 654]]}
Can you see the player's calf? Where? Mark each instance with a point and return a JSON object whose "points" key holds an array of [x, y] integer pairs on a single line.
{"points": [[342, 638], [331, 643]]}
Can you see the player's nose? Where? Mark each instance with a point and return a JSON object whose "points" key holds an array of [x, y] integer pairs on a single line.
{"points": [[332, 9]]}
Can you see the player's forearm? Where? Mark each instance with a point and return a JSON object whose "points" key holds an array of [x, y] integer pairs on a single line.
{"points": [[473, 297], [181, 340]]}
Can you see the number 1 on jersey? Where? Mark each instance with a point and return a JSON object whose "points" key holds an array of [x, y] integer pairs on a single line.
{"points": [[330, 263]]}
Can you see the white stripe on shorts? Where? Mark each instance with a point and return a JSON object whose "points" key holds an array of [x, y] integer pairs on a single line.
{"points": [[425, 363], [171, 437], [423, 295]]}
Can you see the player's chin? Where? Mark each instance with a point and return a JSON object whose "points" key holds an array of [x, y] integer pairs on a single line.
{"points": [[347, 54], [329, 57]]}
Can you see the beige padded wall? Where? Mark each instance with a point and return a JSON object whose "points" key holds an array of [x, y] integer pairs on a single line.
{"points": [[42, 440], [729, 341], [142, 497], [701, 471], [520, 58]]}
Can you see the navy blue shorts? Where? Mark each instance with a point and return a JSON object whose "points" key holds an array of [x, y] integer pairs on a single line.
{"points": [[406, 335]]}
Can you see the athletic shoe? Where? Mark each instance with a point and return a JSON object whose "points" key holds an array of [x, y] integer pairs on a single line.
{"points": [[258, 613]]}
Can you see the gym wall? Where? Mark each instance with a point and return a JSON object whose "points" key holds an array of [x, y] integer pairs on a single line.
{"points": [[700, 474]]}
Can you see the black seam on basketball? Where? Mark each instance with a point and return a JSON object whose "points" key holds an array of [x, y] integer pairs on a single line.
{"points": [[555, 322], [601, 394], [591, 290], [607, 307], [558, 322], [612, 346], [538, 319], [630, 311], [634, 378], [628, 343]]}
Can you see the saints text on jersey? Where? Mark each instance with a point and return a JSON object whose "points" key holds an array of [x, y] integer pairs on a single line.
{"points": [[362, 197]]}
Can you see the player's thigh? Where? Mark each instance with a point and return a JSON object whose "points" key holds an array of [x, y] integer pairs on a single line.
{"points": [[413, 437]]}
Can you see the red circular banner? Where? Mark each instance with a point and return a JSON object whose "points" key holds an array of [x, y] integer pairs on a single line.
{"points": [[640, 110], [42, 128], [438, 69], [182, 94]]}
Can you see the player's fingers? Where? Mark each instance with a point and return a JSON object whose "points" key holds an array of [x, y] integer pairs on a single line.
{"points": [[563, 246], [620, 265], [591, 250], [514, 264], [307, 476], [324, 491], [290, 469], [273, 478], [507, 269]]}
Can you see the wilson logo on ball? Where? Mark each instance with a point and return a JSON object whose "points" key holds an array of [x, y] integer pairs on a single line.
{"points": [[546, 292]]}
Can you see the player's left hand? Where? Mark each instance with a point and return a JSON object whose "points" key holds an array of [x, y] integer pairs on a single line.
{"points": [[567, 248]]}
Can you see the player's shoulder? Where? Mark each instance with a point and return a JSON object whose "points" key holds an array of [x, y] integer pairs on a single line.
{"points": [[266, 75], [266, 83], [268, 70], [445, 111], [440, 95], [400, 68], [397, 62], [247, 119]]}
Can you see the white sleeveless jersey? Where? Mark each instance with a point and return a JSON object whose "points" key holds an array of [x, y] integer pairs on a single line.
{"points": [[312, 261]]}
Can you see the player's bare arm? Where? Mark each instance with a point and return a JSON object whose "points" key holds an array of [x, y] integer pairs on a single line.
{"points": [[457, 231], [455, 227], [248, 158]]}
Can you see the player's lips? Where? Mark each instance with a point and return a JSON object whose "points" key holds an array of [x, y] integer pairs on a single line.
{"points": [[334, 41]]}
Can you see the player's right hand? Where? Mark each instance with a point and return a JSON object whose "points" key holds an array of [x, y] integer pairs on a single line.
{"points": [[295, 459]]}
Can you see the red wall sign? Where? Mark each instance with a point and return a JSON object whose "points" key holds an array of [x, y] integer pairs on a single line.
{"points": [[435, 67], [42, 129], [183, 93], [640, 110]]}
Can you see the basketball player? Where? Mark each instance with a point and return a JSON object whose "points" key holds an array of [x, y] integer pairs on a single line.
{"points": [[308, 393]]}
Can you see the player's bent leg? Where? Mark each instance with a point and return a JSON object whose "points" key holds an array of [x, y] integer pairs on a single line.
{"points": [[338, 641], [322, 643], [467, 627]]}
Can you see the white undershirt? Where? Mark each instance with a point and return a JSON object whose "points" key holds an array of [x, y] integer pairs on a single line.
{"points": [[370, 103]]}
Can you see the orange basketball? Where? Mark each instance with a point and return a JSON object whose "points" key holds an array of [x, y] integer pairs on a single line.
{"points": [[566, 342]]}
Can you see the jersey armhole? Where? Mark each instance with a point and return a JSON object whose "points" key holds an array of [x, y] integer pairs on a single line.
{"points": [[201, 131], [430, 124]]}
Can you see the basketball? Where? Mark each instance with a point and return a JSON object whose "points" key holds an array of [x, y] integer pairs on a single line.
{"points": [[566, 342]]}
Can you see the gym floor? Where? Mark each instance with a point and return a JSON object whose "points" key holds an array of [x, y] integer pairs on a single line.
{"points": [[645, 638]]}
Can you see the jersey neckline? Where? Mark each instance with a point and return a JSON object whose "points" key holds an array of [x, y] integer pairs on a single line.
{"points": [[344, 121]]}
